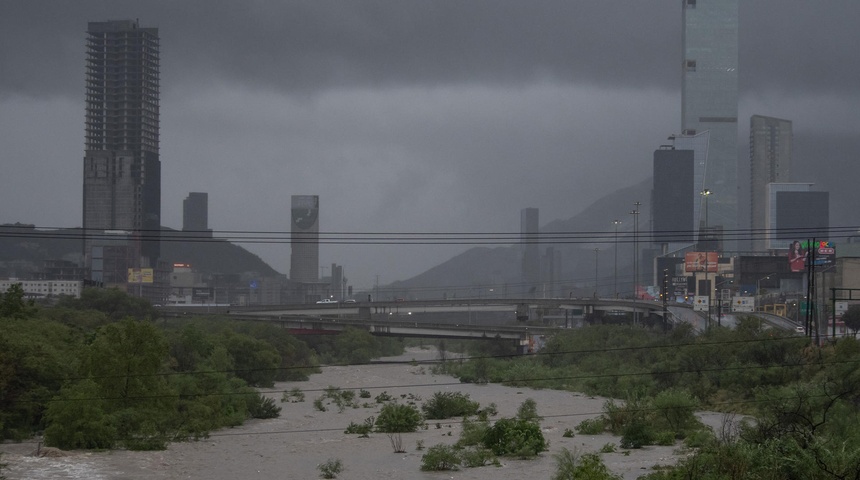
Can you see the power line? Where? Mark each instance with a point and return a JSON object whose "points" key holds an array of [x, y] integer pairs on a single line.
{"points": [[416, 238]]}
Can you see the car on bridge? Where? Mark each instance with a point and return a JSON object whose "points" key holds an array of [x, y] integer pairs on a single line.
{"points": [[327, 300]]}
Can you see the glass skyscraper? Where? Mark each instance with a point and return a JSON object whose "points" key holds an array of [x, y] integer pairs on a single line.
{"points": [[709, 102]]}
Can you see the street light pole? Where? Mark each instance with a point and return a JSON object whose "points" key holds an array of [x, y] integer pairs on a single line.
{"points": [[758, 289], [615, 265], [635, 214], [706, 193]]}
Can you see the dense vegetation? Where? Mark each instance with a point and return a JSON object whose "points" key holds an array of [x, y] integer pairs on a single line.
{"points": [[801, 401], [103, 371]]}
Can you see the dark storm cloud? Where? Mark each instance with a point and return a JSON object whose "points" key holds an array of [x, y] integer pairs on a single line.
{"points": [[305, 46], [406, 115], [316, 44]]}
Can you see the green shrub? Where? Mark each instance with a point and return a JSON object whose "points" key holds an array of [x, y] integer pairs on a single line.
{"points": [[664, 438], [608, 448], [363, 393], [570, 466], [395, 418], [472, 432], [341, 398], [699, 439], [383, 397], [515, 437], [490, 410], [293, 396], [75, 424], [262, 407], [330, 468], [477, 457], [636, 434], [319, 405], [444, 405], [675, 410], [592, 426], [440, 457], [528, 411], [363, 429]]}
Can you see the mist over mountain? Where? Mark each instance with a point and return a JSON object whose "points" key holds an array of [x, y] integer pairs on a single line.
{"points": [[486, 272], [24, 249]]}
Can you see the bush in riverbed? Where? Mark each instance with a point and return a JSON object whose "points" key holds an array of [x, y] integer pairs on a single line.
{"points": [[570, 465], [331, 468], [262, 407], [440, 457], [592, 426], [444, 405], [396, 418], [515, 437]]}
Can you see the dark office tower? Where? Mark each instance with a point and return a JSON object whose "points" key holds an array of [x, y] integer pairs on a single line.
{"points": [[709, 101], [529, 230], [801, 216], [195, 214], [122, 171], [305, 238], [770, 162], [672, 204]]}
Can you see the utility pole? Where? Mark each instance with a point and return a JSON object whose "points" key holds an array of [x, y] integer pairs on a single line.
{"points": [[615, 265], [635, 214], [707, 193], [596, 259]]}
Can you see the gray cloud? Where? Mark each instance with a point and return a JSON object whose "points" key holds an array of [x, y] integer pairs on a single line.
{"points": [[404, 115]]}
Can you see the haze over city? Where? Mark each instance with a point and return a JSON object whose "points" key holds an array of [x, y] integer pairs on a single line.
{"points": [[413, 116]]}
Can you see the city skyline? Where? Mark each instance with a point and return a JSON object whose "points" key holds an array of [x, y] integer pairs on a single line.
{"points": [[452, 124]]}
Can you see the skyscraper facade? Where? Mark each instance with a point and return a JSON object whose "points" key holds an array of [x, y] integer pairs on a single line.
{"points": [[122, 170], [529, 231], [305, 238], [672, 205], [770, 162], [195, 214], [709, 101]]}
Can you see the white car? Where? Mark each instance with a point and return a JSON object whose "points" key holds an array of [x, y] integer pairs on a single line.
{"points": [[327, 300]]}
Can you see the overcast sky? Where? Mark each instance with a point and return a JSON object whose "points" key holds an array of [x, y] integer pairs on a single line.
{"points": [[403, 116]]}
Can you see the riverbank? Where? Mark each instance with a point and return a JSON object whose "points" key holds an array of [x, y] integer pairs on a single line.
{"points": [[291, 446]]}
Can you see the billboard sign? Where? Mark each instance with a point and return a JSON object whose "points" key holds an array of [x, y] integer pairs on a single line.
{"points": [[821, 252], [701, 262], [679, 286], [140, 275]]}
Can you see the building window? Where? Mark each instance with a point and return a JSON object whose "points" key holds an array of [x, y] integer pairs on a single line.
{"points": [[690, 65]]}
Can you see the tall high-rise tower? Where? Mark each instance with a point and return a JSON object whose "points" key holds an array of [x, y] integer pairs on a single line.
{"points": [[529, 237], [770, 162], [709, 102], [122, 170], [195, 214], [305, 238]]}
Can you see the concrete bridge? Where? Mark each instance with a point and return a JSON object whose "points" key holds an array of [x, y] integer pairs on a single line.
{"points": [[471, 318], [520, 320]]}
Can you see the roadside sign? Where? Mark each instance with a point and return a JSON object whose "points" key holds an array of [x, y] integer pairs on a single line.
{"points": [[700, 303]]}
